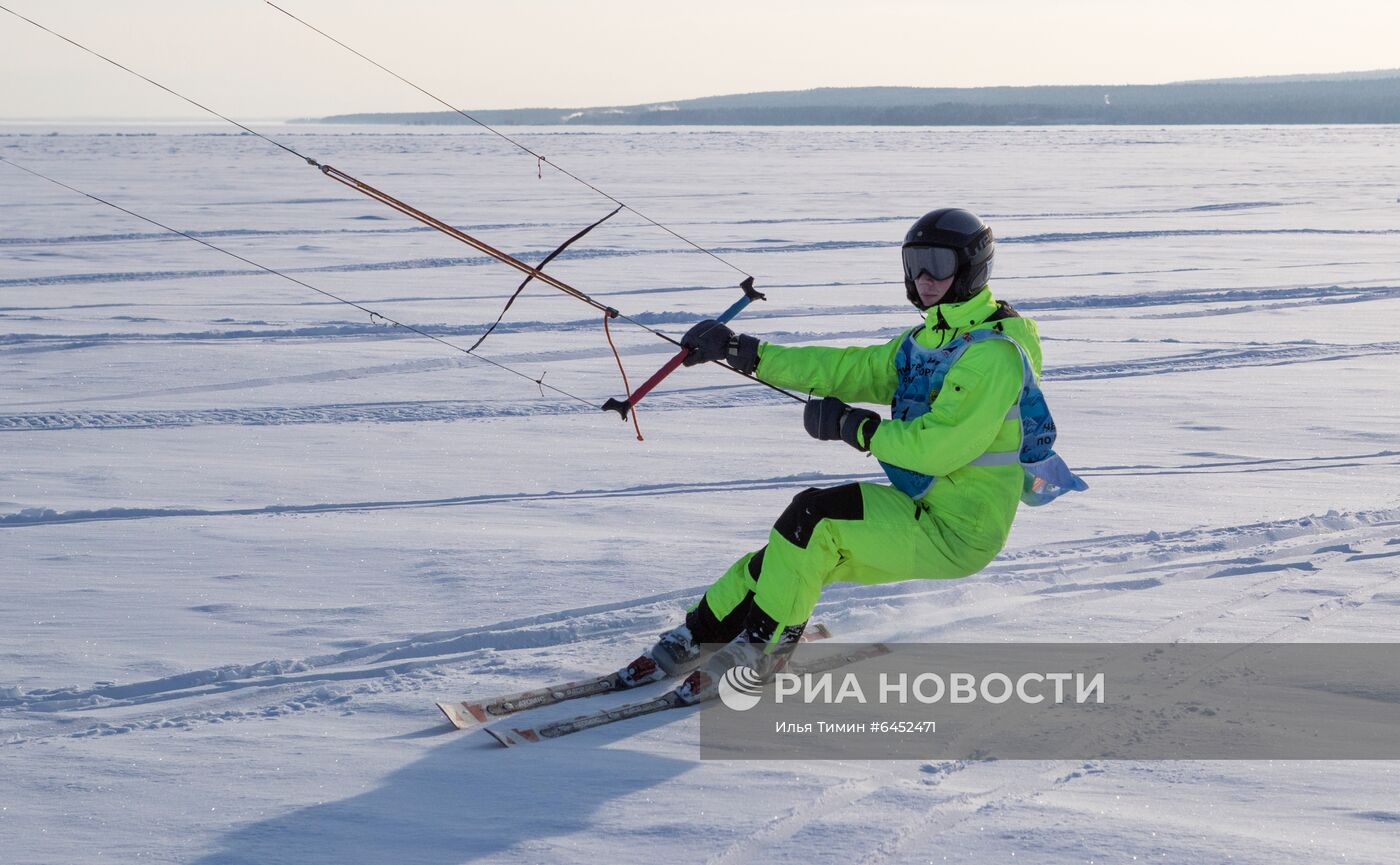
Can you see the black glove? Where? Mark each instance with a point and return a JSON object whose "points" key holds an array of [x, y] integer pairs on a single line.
{"points": [[829, 418], [713, 340]]}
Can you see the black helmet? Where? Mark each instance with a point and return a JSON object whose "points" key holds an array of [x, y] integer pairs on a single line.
{"points": [[955, 229]]}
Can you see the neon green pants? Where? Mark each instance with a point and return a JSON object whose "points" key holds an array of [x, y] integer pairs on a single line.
{"points": [[858, 533]]}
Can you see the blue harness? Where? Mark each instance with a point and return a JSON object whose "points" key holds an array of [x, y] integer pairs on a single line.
{"points": [[921, 373]]}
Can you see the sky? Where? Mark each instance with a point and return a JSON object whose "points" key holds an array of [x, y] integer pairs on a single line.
{"points": [[249, 60]]}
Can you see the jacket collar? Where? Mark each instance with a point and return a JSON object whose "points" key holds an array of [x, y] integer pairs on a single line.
{"points": [[961, 315]]}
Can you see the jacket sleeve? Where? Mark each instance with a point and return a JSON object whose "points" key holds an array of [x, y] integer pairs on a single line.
{"points": [[857, 374], [964, 419]]}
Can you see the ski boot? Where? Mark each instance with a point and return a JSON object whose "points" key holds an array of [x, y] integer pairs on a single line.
{"points": [[675, 654], [742, 652]]}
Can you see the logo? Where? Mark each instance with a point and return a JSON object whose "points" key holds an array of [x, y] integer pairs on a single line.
{"points": [[740, 688]]}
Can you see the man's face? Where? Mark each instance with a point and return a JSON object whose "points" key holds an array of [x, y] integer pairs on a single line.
{"points": [[931, 290], [933, 269]]}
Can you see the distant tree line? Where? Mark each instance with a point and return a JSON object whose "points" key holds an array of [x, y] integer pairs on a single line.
{"points": [[1362, 100]]}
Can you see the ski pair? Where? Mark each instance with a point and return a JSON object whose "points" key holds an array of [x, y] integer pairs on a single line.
{"points": [[669, 700], [467, 713]]}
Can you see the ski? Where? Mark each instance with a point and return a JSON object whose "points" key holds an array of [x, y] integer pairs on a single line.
{"points": [[467, 713], [669, 700]]}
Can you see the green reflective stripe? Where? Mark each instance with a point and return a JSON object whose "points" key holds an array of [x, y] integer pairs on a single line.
{"points": [[1011, 457], [1004, 458]]}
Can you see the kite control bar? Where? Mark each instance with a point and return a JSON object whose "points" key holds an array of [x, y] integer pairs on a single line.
{"points": [[623, 406]]}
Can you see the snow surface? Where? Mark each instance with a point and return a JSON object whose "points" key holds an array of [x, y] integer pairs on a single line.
{"points": [[249, 536]]}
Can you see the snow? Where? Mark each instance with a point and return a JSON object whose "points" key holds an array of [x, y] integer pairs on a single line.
{"points": [[251, 536]]}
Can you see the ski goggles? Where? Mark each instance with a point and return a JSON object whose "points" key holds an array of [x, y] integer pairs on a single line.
{"points": [[937, 261]]}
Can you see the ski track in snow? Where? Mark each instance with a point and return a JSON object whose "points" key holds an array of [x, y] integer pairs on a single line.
{"points": [[84, 239], [755, 249], [1200, 302], [48, 516], [1072, 573], [1205, 360]]}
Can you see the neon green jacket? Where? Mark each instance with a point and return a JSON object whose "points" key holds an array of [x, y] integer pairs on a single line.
{"points": [[967, 417]]}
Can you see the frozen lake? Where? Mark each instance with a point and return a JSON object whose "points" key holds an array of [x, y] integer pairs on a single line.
{"points": [[250, 535]]}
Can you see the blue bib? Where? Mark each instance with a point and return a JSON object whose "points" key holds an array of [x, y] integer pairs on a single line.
{"points": [[921, 373]]}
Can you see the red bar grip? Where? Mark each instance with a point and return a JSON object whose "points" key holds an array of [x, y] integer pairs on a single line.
{"points": [[646, 386]]}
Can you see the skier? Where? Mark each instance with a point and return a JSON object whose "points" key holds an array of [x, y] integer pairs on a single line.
{"points": [[952, 450]]}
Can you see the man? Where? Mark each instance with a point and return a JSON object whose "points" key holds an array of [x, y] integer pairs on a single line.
{"points": [[952, 450]]}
